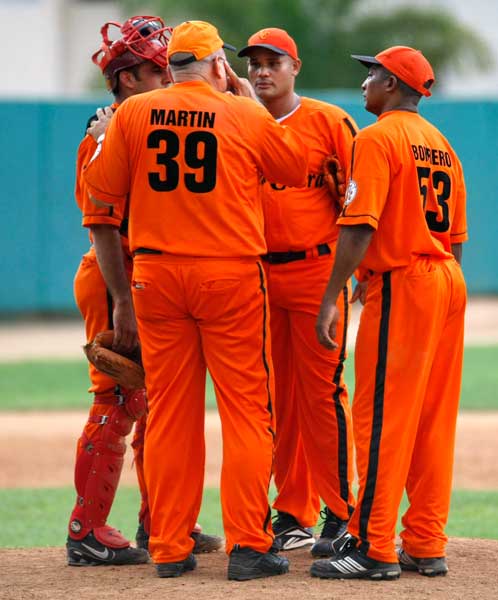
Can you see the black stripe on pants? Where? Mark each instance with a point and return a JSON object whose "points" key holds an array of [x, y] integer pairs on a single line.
{"points": [[378, 414], [342, 431]]}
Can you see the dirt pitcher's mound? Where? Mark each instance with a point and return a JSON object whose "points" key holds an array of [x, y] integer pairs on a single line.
{"points": [[40, 447], [42, 574]]}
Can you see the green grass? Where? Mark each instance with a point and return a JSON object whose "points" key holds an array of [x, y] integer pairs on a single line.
{"points": [[61, 385], [52, 385], [38, 517]]}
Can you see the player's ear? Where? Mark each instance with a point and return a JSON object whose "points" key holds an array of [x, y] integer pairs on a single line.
{"points": [[296, 66], [126, 79], [219, 67], [391, 83]]}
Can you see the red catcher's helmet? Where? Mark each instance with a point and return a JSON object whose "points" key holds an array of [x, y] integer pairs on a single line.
{"points": [[142, 38]]}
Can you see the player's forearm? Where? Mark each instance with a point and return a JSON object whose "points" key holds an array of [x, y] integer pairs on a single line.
{"points": [[351, 248], [107, 242], [457, 252]]}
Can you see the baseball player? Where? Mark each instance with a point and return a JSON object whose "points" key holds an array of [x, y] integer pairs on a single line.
{"points": [[191, 157], [313, 453], [404, 219], [132, 64]]}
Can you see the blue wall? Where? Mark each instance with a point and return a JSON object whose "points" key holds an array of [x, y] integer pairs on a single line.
{"points": [[40, 224]]}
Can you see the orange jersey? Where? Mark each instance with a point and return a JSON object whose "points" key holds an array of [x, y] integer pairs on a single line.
{"points": [[407, 183], [191, 159], [297, 218], [86, 150]]}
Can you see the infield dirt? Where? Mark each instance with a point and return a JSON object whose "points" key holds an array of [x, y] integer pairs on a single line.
{"points": [[41, 574], [40, 451]]}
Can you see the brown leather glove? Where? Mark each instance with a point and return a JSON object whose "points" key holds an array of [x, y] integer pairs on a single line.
{"points": [[335, 178], [126, 370]]}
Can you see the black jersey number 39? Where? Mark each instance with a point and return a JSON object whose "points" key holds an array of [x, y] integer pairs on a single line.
{"points": [[441, 184], [200, 154]]}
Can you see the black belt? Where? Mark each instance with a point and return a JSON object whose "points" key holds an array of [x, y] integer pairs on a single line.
{"points": [[146, 251], [123, 230], [280, 258]]}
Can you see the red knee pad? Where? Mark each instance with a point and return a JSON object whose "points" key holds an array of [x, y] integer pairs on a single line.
{"points": [[135, 403]]}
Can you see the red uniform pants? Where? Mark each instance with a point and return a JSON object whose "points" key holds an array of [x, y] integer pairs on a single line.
{"points": [[195, 313], [408, 372]]}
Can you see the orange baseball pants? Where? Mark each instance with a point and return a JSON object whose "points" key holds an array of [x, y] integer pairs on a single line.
{"points": [[314, 442], [195, 313], [408, 365], [95, 305]]}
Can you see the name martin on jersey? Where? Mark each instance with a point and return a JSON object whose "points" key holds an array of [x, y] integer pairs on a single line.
{"points": [[182, 118]]}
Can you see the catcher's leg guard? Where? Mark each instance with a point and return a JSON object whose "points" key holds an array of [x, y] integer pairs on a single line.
{"points": [[99, 463]]}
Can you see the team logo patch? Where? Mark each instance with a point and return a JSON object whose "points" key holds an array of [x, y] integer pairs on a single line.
{"points": [[351, 192], [264, 34]]}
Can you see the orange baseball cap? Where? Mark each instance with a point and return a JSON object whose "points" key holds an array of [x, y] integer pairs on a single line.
{"points": [[274, 39], [197, 38], [408, 64]]}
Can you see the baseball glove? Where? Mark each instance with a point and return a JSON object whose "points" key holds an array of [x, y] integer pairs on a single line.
{"points": [[126, 370], [335, 177]]}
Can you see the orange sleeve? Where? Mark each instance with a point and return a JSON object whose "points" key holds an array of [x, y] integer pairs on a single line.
{"points": [[280, 155], [368, 184], [458, 232], [86, 150], [343, 132], [107, 178]]}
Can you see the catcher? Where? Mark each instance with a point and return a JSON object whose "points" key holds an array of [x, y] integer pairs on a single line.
{"points": [[133, 63]]}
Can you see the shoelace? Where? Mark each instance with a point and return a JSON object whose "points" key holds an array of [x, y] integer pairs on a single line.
{"points": [[283, 520]]}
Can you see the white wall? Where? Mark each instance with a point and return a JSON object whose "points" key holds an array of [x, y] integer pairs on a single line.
{"points": [[47, 45], [29, 47], [482, 16]]}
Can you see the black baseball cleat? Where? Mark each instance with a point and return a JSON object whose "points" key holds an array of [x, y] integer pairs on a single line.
{"points": [[175, 569], [333, 528], [431, 567], [245, 564], [203, 543], [289, 535], [352, 563], [89, 552], [142, 537]]}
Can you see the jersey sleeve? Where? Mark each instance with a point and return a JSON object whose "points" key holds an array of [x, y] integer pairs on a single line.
{"points": [[280, 155], [86, 150], [343, 132], [458, 232], [107, 178], [368, 184]]}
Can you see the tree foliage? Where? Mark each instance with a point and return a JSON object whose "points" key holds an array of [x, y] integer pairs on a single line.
{"points": [[328, 31]]}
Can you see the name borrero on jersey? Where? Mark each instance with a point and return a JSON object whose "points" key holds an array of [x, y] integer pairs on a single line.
{"points": [[431, 155]]}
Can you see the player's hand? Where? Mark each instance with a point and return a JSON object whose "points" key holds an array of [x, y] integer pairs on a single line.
{"points": [[125, 327], [360, 292], [239, 86], [326, 325], [99, 126]]}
